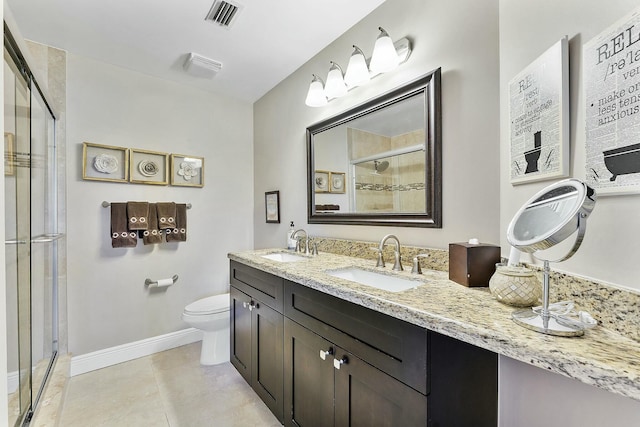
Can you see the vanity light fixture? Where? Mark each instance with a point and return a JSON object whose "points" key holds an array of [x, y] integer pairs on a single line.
{"points": [[386, 56], [357, 71], [316, 96], [335, 86]]}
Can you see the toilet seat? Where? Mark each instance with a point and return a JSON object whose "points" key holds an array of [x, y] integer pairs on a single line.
{"points": [[208, 305]]}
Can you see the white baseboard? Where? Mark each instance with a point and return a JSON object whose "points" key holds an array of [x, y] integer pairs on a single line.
{"points": [[13, 381], [125, 352]]}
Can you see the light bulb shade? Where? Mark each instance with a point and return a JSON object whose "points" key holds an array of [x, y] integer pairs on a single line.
{"points": [[316, 96], [335, 86], [357, 71], [385, 57]]}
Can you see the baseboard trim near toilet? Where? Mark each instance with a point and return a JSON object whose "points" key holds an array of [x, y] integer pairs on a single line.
{"points": [[123, 353]]}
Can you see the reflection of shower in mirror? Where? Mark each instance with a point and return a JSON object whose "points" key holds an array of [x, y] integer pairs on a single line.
{"points": [[380, 166]]}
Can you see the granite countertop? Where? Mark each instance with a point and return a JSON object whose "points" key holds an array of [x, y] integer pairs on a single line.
{"points": [[601, 357]]}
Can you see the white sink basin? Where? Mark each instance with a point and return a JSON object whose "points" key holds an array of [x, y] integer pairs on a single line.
{"points": [[284, 257], [376, 280]]}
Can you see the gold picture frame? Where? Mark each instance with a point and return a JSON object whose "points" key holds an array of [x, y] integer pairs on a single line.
{"points": [[9, 154], [105, 163], [321, 181], [336, 182], [148, 167], [187, 171]]}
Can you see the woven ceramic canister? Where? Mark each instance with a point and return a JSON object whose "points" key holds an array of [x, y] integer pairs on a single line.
{"points": [[514, 285]]}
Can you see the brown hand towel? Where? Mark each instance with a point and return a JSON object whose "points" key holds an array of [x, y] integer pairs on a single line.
{"points": [[152, 234], [121, 237], [138, 213], [166, 215], [179, 234]]}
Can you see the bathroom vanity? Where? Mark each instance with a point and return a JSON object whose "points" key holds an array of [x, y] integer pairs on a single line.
{"points": [[430, 349], [316, 359]]}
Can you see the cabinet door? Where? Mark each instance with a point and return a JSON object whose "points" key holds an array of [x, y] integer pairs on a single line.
{"points": [[241, 333], [367, 397], [267, 340], [309, 382]]}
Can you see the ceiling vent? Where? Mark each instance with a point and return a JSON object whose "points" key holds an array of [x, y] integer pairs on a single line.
{"points": [[200, 66], [223, 13]]}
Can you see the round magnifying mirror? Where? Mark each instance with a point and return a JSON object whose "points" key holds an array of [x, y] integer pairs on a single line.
{"points": [[552, 215], [548, 218]]}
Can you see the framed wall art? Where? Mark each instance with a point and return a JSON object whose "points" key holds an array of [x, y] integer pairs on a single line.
{"points": [[105, 163], [336, 182], [187, 171], [148, 167], [272, 206], [321, 181], [539, 117], [612, 108]]}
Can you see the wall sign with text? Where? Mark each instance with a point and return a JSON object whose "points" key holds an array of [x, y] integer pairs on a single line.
{"points": [[539, 117], [612, 99]]}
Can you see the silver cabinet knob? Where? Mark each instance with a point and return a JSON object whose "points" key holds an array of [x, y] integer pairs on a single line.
{"points": [[339, 362], [324, 354]]}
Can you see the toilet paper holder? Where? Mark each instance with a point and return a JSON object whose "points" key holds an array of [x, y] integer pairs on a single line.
{"points": [[160, 283]]}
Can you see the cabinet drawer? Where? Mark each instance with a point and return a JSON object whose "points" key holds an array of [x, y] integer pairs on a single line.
{"points": [[395, 347], [262, 286]]}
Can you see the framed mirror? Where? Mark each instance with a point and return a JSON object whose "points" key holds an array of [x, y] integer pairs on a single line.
{"points": [[379, 163]]}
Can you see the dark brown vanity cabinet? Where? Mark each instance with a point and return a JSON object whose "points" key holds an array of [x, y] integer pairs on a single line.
{"points": [[325, 385], [386, 372], [330, 362], [257, 332]]}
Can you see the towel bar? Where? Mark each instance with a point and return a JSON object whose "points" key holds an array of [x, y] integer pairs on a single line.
{"points": [[106, 204]]}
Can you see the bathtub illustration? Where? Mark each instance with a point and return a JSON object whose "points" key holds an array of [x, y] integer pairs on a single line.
{"points": [[622, 160]]}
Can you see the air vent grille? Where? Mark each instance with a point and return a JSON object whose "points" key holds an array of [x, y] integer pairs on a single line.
{"points": [[223, 13]]}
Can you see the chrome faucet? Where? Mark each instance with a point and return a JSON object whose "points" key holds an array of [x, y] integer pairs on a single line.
{"points": [[397, 265], [297, 239]]}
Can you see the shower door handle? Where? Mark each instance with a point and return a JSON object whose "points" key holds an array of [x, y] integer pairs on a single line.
{"points": [[15, 242], [46, 238]]}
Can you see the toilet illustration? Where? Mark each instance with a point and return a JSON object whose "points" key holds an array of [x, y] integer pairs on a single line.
{"points": [[532, 156]]}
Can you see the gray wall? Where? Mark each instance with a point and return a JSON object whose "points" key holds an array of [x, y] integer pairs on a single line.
{"points": [[459, 36], [462, 38], [527, 29], [107, 300]]}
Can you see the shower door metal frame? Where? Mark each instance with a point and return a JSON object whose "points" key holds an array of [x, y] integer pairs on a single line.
{"points": [[26, 74]]}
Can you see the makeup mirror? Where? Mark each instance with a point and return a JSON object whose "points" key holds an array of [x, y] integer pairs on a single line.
{"points": [[548, 218]]}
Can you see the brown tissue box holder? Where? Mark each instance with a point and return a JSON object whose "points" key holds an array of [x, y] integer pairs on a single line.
{"points": [[472, 265]]}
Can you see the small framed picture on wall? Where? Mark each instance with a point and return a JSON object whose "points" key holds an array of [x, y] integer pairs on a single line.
{"points": [[187, 171], [105, 163], [272, 206], [148, 167]]}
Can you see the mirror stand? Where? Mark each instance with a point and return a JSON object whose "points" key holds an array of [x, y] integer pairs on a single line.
{"points": [[543, 320], [549, 217]]}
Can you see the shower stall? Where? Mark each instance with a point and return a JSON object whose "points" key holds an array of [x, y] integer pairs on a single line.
{"points": [[32, 237]]}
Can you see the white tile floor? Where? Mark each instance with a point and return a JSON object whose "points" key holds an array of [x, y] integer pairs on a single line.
{"points": [[165, 389]]}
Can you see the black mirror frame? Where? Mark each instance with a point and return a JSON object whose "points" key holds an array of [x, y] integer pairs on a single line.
{"points": [[429, 84]]}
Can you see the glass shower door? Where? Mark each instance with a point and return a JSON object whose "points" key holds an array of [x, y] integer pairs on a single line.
{"points": [[44, 236], [17, 183]]}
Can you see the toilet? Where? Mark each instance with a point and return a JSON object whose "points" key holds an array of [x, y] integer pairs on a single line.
{"points": [[211, 316]]}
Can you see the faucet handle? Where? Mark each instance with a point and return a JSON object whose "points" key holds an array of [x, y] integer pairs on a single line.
{"points": [[314, 248], [397, 265], [416, 263], [380, 261]]}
